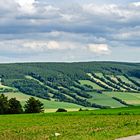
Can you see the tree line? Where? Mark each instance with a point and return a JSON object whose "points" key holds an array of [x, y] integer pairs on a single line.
{"points": [[13, 106]]}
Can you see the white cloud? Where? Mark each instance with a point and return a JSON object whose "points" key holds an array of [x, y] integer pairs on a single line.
{"points": [[39, 26], [35, 46], [41, 46], [113, 12], [26, 6], [67, 17], [137, 4], [53, 45], [99, 48], [106, 9], [8, 7], [128, 34], [50, 8]]}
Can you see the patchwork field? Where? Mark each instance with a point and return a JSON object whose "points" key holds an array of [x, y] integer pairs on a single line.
{"points": [[73, 85]]}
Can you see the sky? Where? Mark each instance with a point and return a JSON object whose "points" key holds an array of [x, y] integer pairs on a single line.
{"points": [[69, 30]]}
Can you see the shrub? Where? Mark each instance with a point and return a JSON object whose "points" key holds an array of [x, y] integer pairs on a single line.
{"points": [[83, 109], [61, 110]]}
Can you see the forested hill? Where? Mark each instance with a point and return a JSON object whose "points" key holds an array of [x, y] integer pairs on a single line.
{"points": [[72, 70], [70, 82]]}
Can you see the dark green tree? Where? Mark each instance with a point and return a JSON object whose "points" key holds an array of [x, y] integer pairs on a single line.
{"points": [[33, 106], [3, 104], [15, 107]]}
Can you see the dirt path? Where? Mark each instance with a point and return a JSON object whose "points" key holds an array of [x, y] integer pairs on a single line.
{"points": [[137, 137]]}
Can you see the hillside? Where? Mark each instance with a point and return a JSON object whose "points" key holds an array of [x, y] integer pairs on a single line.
{"points": [[85, 84]]}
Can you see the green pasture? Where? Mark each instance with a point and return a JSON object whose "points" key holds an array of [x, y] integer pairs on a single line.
{"points": [[106, 124]]}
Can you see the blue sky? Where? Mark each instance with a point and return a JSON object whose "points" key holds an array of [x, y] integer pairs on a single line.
{"points": [[76, 30]]}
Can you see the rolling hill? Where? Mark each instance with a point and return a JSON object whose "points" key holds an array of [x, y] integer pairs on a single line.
{"points": [[73, 85]]}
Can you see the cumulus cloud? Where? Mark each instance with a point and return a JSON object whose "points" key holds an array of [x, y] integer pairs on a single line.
{"points": [[26, 6], [35, 46], [99, 49], [48, 45], [76, 28], [137, 4], [8, 8]]}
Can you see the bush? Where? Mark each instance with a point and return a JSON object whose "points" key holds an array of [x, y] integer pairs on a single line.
{"points": [[83, 109], [61, 110], [99, 91]]}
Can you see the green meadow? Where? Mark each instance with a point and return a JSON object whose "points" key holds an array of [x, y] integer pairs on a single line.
{"points": [[49, 106], [107, 124], [89, 87]]}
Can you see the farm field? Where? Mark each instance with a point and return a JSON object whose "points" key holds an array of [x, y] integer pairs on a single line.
{"points": [[50, 106], [105, 124], [105, 100], [130, 98], [99, 81], [124, 79], [94, 85], [100, 74], [6, 87], [136, 79]]}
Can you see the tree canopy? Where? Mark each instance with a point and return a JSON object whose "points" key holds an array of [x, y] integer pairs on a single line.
{"points": [[33, 106]]}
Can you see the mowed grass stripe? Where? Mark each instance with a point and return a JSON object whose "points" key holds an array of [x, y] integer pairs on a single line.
{"points": [[124, 79], [94, 85], [41, 83], [98, 80]]}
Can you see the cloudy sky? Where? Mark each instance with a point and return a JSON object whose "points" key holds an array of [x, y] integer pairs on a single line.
{"points": [[75, 30]]}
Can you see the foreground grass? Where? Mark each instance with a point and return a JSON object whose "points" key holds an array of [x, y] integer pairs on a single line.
{"points": [[85, 125]]}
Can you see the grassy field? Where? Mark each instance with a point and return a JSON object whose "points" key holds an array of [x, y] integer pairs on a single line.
{"points": [[105, 100], [124, 79], [100, 75], [98, 80], [48, 105], [6, 87], [130, 98], [85, 125], [137, 79], [94, 85]]}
